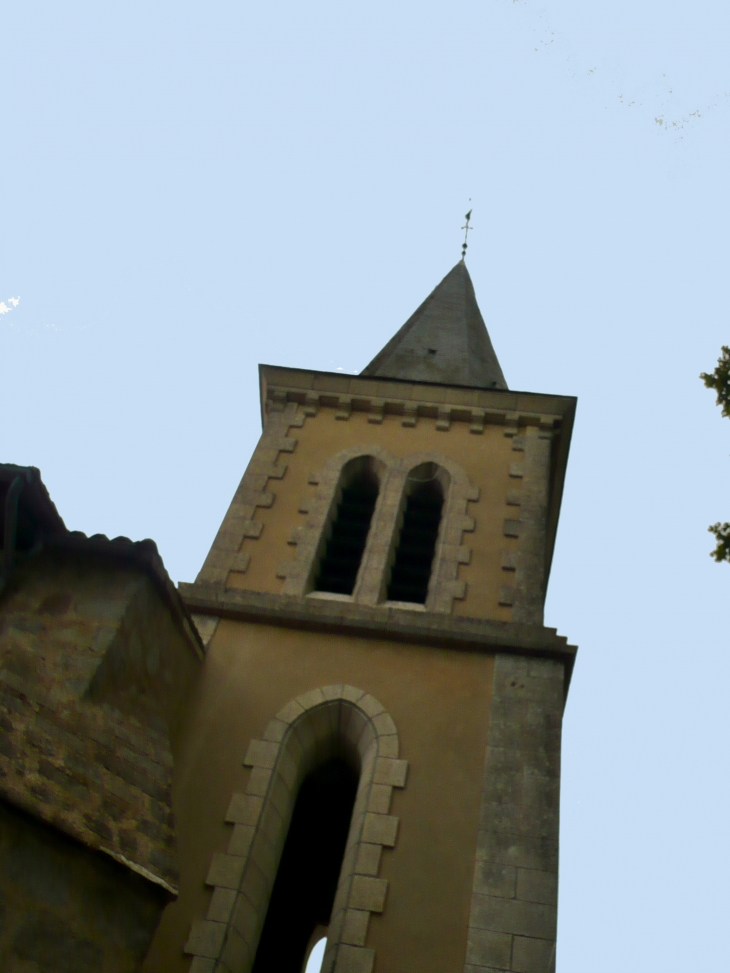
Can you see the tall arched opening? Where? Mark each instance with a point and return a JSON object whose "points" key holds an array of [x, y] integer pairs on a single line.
{"points": [[311, 861], [320, 791]]}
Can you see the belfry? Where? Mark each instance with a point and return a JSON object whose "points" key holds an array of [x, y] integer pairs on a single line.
{"points": [[374, 753], [346, 729]]}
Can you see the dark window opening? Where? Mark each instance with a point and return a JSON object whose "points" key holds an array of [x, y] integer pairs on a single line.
{"points": [[306, 882], [346, 544], [417, 544]]}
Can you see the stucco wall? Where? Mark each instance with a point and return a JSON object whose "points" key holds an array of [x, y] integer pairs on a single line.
{"points": [[486, 459], [439, 700]]}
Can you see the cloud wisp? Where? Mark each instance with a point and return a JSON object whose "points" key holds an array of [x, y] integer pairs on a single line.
{"points": [[13, 301]]}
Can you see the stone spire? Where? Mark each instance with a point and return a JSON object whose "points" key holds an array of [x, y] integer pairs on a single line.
{"points": [[444, 341]]}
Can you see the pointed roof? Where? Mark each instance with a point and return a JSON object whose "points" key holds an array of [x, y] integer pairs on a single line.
{"points": [[444, 341]]}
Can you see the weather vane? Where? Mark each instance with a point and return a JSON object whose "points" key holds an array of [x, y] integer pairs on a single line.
{"points": [[466, 229]]}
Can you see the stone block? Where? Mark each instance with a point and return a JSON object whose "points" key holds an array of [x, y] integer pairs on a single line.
{"points": [[286, 445], [246, 920], [275, 731], [532, 821], [206, 626], [289, 712], [370, 705], [241, 839], [512, 528], [288, 770], [221, 905], [265, 854], [489, 949], [225, 870], [522, 851], [258, 782], [368, 893], [244, 809], [236, 953], [533, 955], [392, 772], [344, 407], [443, 419], [507, 595], [354, 959], [255, 886], [368, 859], [379, 798], [384, 725], [253, 528], [380, 829], [205, 939], [537, 886], [388, 746], [261, 753], [491, 878], [202, 965], [311, 699], [410, 415], [355, 927], [499, 914]]}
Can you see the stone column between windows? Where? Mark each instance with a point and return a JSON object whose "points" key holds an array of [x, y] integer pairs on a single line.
{"points": [[377, 559], [513, 918]]}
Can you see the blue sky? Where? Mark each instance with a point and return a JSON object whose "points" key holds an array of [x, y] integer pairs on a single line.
{"points": [[189, 189]]}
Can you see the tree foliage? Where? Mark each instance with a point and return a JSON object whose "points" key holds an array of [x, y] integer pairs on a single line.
{"points": [[719, 380], [722, 536]]}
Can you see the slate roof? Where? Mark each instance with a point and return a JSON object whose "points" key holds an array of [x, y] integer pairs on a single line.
{"points": [[445, 340]]}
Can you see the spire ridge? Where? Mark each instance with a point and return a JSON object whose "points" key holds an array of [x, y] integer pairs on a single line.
{"points": [[445, 340]]}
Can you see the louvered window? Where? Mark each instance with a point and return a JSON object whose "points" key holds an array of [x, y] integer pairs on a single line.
{"points": [[417, 544], [346, 544]]}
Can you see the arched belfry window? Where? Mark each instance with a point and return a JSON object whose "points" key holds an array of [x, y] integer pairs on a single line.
{"points": [[416, 544], [306, 882], [350, 526]]}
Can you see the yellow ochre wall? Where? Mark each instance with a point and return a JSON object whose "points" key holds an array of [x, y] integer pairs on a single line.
{"points": [[486, 459], [439, 700]]}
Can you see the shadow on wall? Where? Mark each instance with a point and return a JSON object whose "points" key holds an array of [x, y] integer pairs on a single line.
{"points": [[67, 909]]}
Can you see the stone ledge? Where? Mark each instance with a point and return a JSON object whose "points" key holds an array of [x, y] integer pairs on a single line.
{"points": [[396, 624]]}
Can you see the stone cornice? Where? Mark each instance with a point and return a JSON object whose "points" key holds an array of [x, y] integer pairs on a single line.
{"points": [[358, 393], [394, 624]]}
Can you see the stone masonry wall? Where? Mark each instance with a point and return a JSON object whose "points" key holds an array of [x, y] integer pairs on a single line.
{"points": [[514, 902], [92, 673]]}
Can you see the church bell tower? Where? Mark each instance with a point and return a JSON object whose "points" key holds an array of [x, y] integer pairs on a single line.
{"points": [[372, 754]]}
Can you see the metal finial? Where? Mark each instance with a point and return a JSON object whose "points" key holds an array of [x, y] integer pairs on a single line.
{"points": [[466, 229]]}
